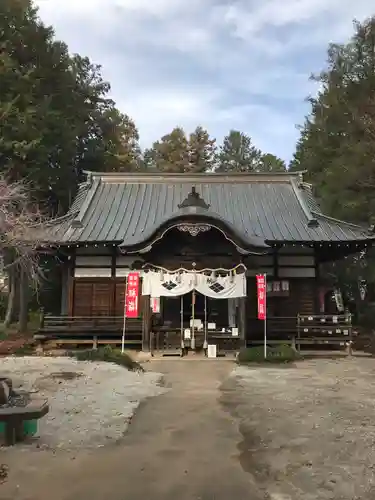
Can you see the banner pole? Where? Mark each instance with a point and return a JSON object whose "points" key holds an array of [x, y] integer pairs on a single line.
{"points": [[124, 323], [265, 316], [192, 341], [182, 322]]}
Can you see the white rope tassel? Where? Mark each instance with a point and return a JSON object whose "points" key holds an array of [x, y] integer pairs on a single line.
{"points": [[201, 271]]}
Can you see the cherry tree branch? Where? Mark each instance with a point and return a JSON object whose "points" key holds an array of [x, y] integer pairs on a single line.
{"points": [[23, 229]]}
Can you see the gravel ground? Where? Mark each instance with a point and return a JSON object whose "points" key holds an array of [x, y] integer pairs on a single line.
{"points": [[308, 431], [91, 403], [269, 433]]}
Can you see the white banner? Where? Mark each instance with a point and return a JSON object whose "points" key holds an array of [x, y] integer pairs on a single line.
{"points": [[158, 284]]}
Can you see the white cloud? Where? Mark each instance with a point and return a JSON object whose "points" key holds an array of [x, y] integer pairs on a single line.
{"points": [[220, 63]]}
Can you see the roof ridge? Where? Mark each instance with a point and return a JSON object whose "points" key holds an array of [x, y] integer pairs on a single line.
{"points": [[77, 221], [311, 220], [205, 177], [285, 173], [339, 221]]}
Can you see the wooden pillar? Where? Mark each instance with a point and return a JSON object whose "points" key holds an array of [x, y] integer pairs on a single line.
{"points": [[65, 277], [146, 322], [242, 317], [70, 284], [317, 283], [113, 281], [275, 263]]}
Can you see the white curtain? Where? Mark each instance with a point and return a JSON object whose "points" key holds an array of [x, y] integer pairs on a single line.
{"points": [[159, 284], [222, 287]]}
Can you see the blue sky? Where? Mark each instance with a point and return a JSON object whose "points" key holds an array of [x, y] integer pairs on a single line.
{"points": [[223, 64]]}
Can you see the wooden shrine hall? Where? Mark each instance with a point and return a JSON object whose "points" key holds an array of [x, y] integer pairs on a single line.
{"points": [[196, 242]]}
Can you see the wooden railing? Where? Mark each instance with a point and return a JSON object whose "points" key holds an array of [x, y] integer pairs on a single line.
{"points": [[279, 330], [324, 329], [302, 330], [81, 326]]}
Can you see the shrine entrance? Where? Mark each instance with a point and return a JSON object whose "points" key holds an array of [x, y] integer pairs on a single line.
{"points": [[191, 320]]}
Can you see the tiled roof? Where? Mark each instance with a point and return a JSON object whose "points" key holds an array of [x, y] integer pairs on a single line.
{"points": [[130, 208]]}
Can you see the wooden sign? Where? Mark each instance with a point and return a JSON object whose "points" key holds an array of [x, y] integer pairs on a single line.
{"points": [[278, 288]]}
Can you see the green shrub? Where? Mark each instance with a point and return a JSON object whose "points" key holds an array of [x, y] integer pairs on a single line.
{"points": [[108, 355], [27, 349], [278, 354]]}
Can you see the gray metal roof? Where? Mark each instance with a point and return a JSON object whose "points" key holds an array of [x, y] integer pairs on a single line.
{"points": [[130, 208]]}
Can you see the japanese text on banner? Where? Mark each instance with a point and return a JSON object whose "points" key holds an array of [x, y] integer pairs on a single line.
{"points": [[131, 298], [261, 292]]}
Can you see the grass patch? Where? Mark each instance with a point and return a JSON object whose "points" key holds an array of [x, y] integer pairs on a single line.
{"points": [[109, 355], [25, 350], [278, 354]]}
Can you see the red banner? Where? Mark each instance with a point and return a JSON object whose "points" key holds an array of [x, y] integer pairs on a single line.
{"points": [[261, 293], [131, 298]]}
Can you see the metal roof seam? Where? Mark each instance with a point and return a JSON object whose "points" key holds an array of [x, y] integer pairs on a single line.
{"points": [[281, 210], [117, 201], [92, 220], [249, 211], [106, 213], [265, 211], [120, 214]]}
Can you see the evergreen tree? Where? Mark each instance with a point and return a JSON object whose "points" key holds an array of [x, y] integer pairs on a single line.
{"points": [[337, 143], [202, 151], [171, 153], [271, 163], [238, 154], [337, 148], [56, 117]]}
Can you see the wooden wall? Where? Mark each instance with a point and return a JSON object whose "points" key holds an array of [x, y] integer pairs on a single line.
{"points": [[301, 299], [97, 281], [99, 297]]}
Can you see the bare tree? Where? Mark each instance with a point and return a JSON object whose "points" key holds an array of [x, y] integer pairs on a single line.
{"points": [[23, 231]]}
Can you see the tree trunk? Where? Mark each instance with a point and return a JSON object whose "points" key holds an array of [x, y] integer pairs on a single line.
{"points": [[12, 288], [24, 302]]}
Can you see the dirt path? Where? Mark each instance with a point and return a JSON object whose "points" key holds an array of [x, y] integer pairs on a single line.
{"points": [[182, 445]]}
